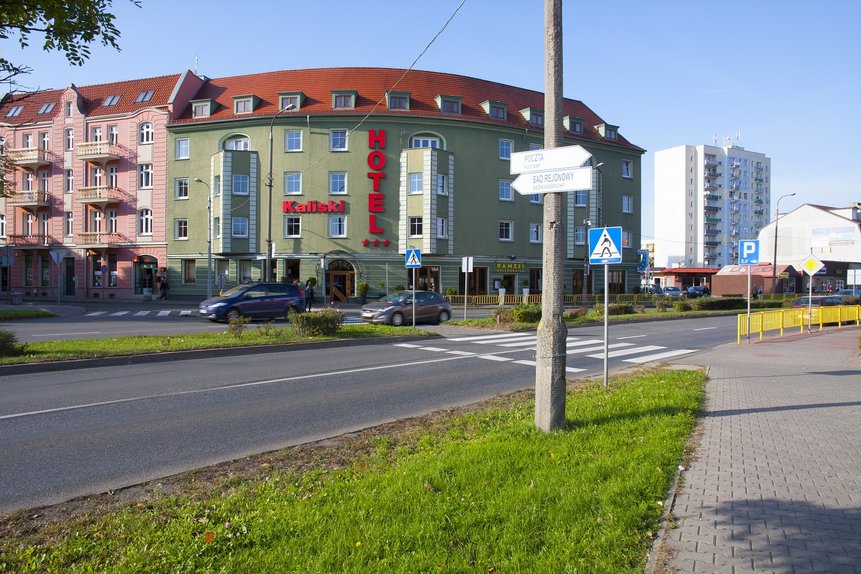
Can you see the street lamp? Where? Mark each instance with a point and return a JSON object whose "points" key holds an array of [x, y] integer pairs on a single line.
{"points": [[208, 237], [270, 253], [774, 261]]}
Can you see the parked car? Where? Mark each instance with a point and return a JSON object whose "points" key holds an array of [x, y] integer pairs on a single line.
{"points": [[653, 289], [852, 292], [255, 301], [672, 292], [817, 301], [397, 308], [695, 291]]}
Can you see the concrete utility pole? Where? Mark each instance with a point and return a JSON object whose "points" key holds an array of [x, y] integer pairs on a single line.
{"points": [[552, 332]]}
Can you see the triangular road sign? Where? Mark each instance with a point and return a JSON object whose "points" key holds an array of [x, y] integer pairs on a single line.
{"points": [[413, 258], [604, 244]]}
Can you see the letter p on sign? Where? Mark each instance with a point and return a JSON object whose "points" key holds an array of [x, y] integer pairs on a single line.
{"points": [[748, 252]]}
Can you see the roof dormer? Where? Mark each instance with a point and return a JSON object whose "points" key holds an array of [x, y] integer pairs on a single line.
{"points": [[534, 116], [573, 124], [496, 110], [608, 132], [288, 99], [448, 104], [245, 104], [344, 99]]}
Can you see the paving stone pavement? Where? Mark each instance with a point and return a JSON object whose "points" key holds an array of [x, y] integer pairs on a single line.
{"points": [[775, 484]]}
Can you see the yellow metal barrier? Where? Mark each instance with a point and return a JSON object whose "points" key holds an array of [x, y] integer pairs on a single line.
{"points": [[783, 319]]}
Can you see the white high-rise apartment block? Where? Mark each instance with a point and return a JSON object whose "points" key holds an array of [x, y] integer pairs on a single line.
{"points": [[707, 198]]}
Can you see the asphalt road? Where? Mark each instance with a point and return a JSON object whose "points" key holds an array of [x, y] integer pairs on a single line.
{"points": [[94, 429]]}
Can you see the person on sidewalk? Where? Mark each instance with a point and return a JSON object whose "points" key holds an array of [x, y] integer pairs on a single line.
{"points": [[163, 288], [309, 295]]}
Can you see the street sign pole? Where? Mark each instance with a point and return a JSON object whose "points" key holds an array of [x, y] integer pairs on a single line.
{"points": [[748, 303], [414, 297], [748, 254], [606, 323]]}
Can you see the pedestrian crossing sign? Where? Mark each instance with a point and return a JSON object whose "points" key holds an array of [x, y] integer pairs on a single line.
{"points": [[413, 259], [604, 244]]}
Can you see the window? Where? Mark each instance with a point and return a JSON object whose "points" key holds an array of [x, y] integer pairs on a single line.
{"points": [[28, 180], [144, 96], [146, 133], [180, 229], [337, 182], [293, 140], [415, 182], [337, 226], [181, 188], [240, 227], [342, 101], [44, 141], [69, 139], [14, 111], [626, 239], [189, 271], [425, 141], [96, 177], [112, 221], [505, 190], [506, 231], [240, 184], [398, 102], [579, 236], [580, 197], [69, 181], [113, 135], [216, 226], [293, 183], [291, 102], [497, 111], [68, 109], [243, 106], [450, 106], [46, 108], [111, 101], [2, 225], [415, 226], [536, 119], [441, 188], [69, 227], [292, 226], [182, 148], [145, 222], [441, 227], [627, 168], [217, 186], [610, 133], [535, 233], [200, 110], [27, 141], [145, 175], [43, 181], [535, 146], [627, 204], [536, 198], [113, 176], [505, 149], [338, 140]]}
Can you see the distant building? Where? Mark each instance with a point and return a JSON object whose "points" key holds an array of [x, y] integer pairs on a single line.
{"points": [[708, 198]]}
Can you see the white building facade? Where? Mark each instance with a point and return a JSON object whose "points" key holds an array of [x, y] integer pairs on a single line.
{"points": [[707, 198]]}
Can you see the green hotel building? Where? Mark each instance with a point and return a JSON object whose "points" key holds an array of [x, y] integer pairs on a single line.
{"points": [[334, 174]]}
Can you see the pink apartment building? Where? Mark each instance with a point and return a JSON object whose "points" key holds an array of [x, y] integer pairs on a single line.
{"points": [[85, 190]]}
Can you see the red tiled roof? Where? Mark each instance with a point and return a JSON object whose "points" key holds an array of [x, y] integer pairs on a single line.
{"points": [[162, 87], [371, 85], [31, 102]]}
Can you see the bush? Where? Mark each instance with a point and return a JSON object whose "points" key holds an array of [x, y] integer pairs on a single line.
{"points": [[450, 291], [9, 346], [575, 313], [718, 303], [660, 304], [236, 327], [681, 306], [615, 309], [504, 314], [399, 288], [324, 323], [528, 313]]}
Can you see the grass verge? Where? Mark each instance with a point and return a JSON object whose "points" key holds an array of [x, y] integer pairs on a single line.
{"points": [[15, 314], [46, 351], [478, 490]]}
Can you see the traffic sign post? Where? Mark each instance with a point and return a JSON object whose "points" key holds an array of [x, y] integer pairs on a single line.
{"points": [[748, 254], [466, 265], [811, 266], [413, 260], [604, 247]]}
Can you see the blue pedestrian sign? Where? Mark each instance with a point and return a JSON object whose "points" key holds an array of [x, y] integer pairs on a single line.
{"points": [[748, 252], [605, 245], [413, 259]]}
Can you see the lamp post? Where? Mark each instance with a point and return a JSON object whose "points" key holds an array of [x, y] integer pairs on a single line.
{"points": [[774, 261], [208, 237], [270, 275]]}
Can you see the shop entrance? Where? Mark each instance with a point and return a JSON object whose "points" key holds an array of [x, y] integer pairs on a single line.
{"points": [[427, 278], [144, 268], [69, 278], [340, 280]]}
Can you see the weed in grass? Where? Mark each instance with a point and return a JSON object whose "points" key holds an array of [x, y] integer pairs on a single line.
{"points": [[236, 326]]}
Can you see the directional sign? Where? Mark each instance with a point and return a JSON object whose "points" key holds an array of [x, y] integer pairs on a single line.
{"points": [[604, 244], [748, 252], [553, 181], [644, 260], [413, 259], [812, 265], [548, 159]]}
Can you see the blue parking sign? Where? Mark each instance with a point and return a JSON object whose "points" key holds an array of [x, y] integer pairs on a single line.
{"points": [[748, 252]]}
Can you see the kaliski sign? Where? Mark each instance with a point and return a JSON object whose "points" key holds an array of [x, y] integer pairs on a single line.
{"points": [[313, 206]]}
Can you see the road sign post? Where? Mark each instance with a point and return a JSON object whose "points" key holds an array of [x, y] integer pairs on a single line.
{"points": [[604, 247], [748, 254], [466, 265], [413, 260], [811, 266]]}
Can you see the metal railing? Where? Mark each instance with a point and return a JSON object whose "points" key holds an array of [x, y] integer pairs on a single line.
{"points": [[783, 319]]}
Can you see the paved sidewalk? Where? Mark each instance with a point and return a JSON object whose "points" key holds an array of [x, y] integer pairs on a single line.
{"points": [[776, 481]]}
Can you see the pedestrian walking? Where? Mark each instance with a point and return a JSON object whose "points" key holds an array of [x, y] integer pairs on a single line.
{"points": [[309, 295], [163, 288]]}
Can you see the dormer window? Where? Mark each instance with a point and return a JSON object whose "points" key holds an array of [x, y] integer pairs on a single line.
{"points": [[496, 110], [243, 105], [345, 100], [144, 96], [398, 100], [574, 125], [14, 112], [292, 100], [201, 109], [111, 101], [46, 108], [449, 104], [534, 116], [608, 131]]}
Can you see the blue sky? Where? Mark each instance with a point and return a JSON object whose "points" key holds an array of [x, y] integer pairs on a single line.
{"points": [[785, 75]]}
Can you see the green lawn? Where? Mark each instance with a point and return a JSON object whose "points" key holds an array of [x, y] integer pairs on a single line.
{"points": [[477, 491]]}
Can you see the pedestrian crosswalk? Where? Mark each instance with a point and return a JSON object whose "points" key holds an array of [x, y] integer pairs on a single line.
{"points": [[504, 348], [149, 313]]}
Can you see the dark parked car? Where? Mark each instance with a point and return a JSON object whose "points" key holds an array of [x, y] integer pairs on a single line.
{"points": [[653, 289], [817, 301], [397, 308], [255, 301], [695, 291], [851, 292]]}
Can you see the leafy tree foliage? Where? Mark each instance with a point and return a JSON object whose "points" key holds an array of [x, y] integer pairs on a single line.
{"points": [[68, 26]]}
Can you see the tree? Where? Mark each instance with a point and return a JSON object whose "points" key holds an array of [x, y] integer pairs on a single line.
{"points": [[68, 26]]}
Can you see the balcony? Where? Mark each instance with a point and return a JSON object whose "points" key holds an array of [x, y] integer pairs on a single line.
{"points": [[100, 152], [99, 195], [99, 239], [29, 199], [711, 208], [40, 241], [31, 158], [711, 232], [713, 220], [711, 243], [711, 174], [709, 186], [710, 161]]}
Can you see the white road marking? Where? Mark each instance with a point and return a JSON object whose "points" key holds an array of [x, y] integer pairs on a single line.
{"points": [[630, 337], [141, 313], [585, 342], [623, 352], [532, 364], [481, 337], [598, 348], [119, 313], [66, 334], [461, 353], [96, 313], [494, 358], [705, 329], [659, 356], [163, 313], [408, 345]]}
